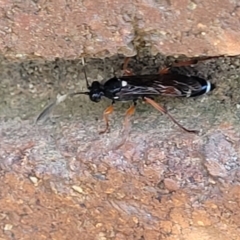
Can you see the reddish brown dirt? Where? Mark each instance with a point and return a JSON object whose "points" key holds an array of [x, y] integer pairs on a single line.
{"points": [[64, 181]]}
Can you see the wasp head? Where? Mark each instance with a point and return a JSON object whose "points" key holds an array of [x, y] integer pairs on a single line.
{"points": [[96, 91]]}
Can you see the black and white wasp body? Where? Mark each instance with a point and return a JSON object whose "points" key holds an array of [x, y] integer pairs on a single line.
{"points": [[145, 87], [128, 88]]}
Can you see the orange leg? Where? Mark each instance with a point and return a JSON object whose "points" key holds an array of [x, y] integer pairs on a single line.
{"points": [[164, 70], [164, 111], [126, 71], [182, 64], [191, 61], [126, 128], [185, 63], [106, 113], [129, 113]]}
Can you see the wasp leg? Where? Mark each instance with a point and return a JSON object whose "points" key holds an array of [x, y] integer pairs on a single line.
{"points": [[126, 125], [164, 111], [164, 70], [191, 61], [178, 64], [126, 70], [129, 113], [185, 63], [106, 113]]}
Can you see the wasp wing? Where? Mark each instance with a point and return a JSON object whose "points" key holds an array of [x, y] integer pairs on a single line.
{"points": [[174, 85]]}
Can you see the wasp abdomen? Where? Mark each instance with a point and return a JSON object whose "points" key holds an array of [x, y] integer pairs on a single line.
{"points": [[204, 86]]}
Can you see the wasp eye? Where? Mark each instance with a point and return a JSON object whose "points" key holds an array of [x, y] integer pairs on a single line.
{"points": [[96, 92], [96, 97]]}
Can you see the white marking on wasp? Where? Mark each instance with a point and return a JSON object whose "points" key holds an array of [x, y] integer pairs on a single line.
{"points": [[189, 93], [124, 83], [116, 97], [208, 87], [61, 98]]}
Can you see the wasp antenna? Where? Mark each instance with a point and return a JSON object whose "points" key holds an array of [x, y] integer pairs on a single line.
{"points": [[113, 72], [47, 110], [104, 68], [60, 98], [85, 74], [78, 93]]}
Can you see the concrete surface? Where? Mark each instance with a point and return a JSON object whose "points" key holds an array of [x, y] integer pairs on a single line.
{"points": [[69, 29], [63, 180]]}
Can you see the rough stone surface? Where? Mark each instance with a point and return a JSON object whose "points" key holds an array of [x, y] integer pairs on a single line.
{"points": [[63, 180], [69, 29]]}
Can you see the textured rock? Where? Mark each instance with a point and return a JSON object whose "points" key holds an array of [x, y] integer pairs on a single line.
{"points": [[65, 181], [70, 29]]}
